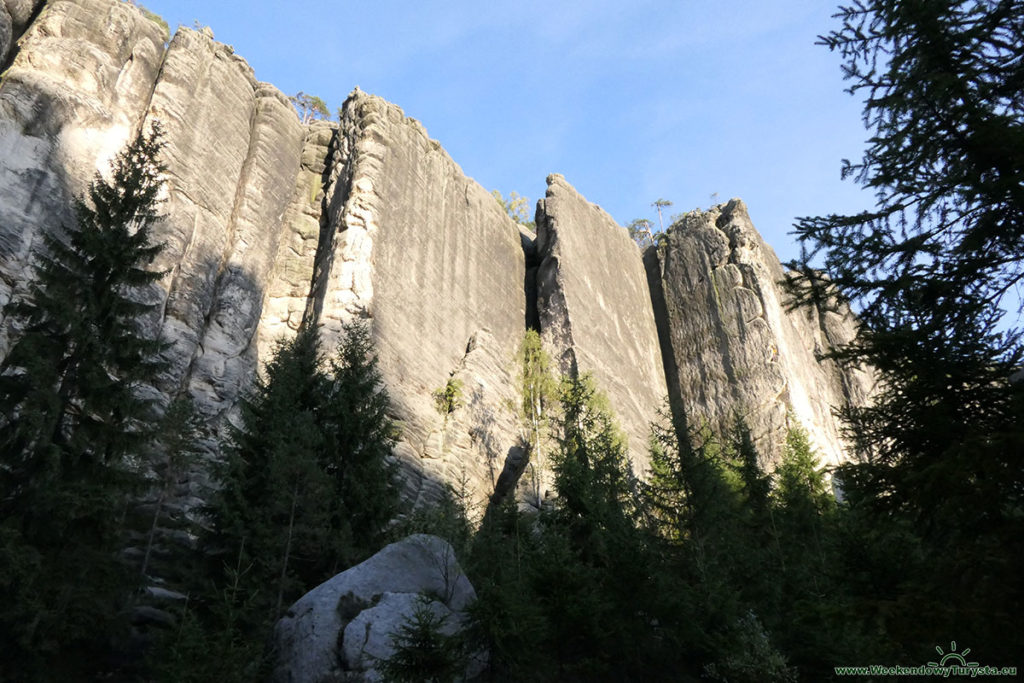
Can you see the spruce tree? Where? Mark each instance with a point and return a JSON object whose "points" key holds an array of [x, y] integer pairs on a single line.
{"points": [[934, 271], [74, 422], [269, 515], [307, 486], [359, 436]]}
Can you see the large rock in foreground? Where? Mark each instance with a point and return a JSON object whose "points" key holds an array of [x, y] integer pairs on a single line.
{"points": [[341, 628]]}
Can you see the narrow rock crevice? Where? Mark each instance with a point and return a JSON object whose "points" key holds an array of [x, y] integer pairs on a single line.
{"points": [[652, 258], [532, 259], [323, 262]]}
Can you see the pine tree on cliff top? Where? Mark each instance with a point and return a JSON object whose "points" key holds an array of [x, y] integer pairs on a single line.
{"points": [[73, 420]]}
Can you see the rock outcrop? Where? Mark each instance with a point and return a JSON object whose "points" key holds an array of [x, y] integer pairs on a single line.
{"points": [[232, 155], [595, 309], [733, 349], [270, 224], [76, 91], [341, 628], [431, 259], [15, 16]]}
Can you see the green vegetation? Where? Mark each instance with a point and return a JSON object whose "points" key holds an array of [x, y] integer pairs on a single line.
{"points": [[309, 107], [306, 491], [517, 208], [73, 417], [640, 232], [708, 569], [539, 392], [934, 272], [423, 652], [449, 397]]}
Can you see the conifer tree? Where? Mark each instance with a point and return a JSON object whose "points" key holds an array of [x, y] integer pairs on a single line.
{"points": [[359, 436], [934, 271], [270, 512], [307, 488], [73, 422]]}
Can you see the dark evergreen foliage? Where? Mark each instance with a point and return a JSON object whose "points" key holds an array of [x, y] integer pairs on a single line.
{"points": [[933, 272], [424, 653], [73, 424], [306, 491]]}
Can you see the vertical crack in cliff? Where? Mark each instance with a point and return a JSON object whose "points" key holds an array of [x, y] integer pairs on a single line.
{"points": [[532, 261], [144, 110], [653, 258], [336, 172]]}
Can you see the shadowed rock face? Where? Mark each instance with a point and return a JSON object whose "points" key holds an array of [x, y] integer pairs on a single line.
{"points": [[595, 308], [70, 100], [269, 224], [735, 351]]}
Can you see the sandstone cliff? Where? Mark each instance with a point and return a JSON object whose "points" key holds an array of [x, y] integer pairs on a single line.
{"points": [[269, 223], [595, 309], [733, 351], [430, 258]]}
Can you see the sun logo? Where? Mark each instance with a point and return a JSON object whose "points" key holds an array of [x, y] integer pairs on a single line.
{"points": [[952, 658]]}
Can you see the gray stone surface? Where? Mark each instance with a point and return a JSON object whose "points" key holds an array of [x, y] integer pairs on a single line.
{"points": [[735, 349], [288, 289], [6, 33], [14, 19], [595, 309], [21, 12], [269, 223], [337, 629], [72, 98], [429, 256]]}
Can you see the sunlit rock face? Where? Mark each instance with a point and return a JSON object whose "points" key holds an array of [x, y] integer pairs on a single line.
{"points": [[429, 257], [595, 309], [269, 224], [233, 154], [734, 352]]}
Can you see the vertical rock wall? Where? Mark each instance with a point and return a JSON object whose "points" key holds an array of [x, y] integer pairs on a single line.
{"points": [[71, 99], [595, 309], [736, 352], [233, 155], [269, 223], [430, 258], [287, 295]]}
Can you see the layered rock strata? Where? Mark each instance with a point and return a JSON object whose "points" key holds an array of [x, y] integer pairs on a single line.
{"points": [[595, 309], [734, 352]]}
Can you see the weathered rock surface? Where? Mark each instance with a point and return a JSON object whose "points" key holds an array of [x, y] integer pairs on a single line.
{"points": [[341, 628], [429, 256], [71, 99], [287, 295], [232, 158], [14, 18], [595, 309], [734, 351], [269, 223]]}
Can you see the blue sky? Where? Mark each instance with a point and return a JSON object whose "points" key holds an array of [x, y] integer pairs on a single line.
{"points": [[631, 100]]}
